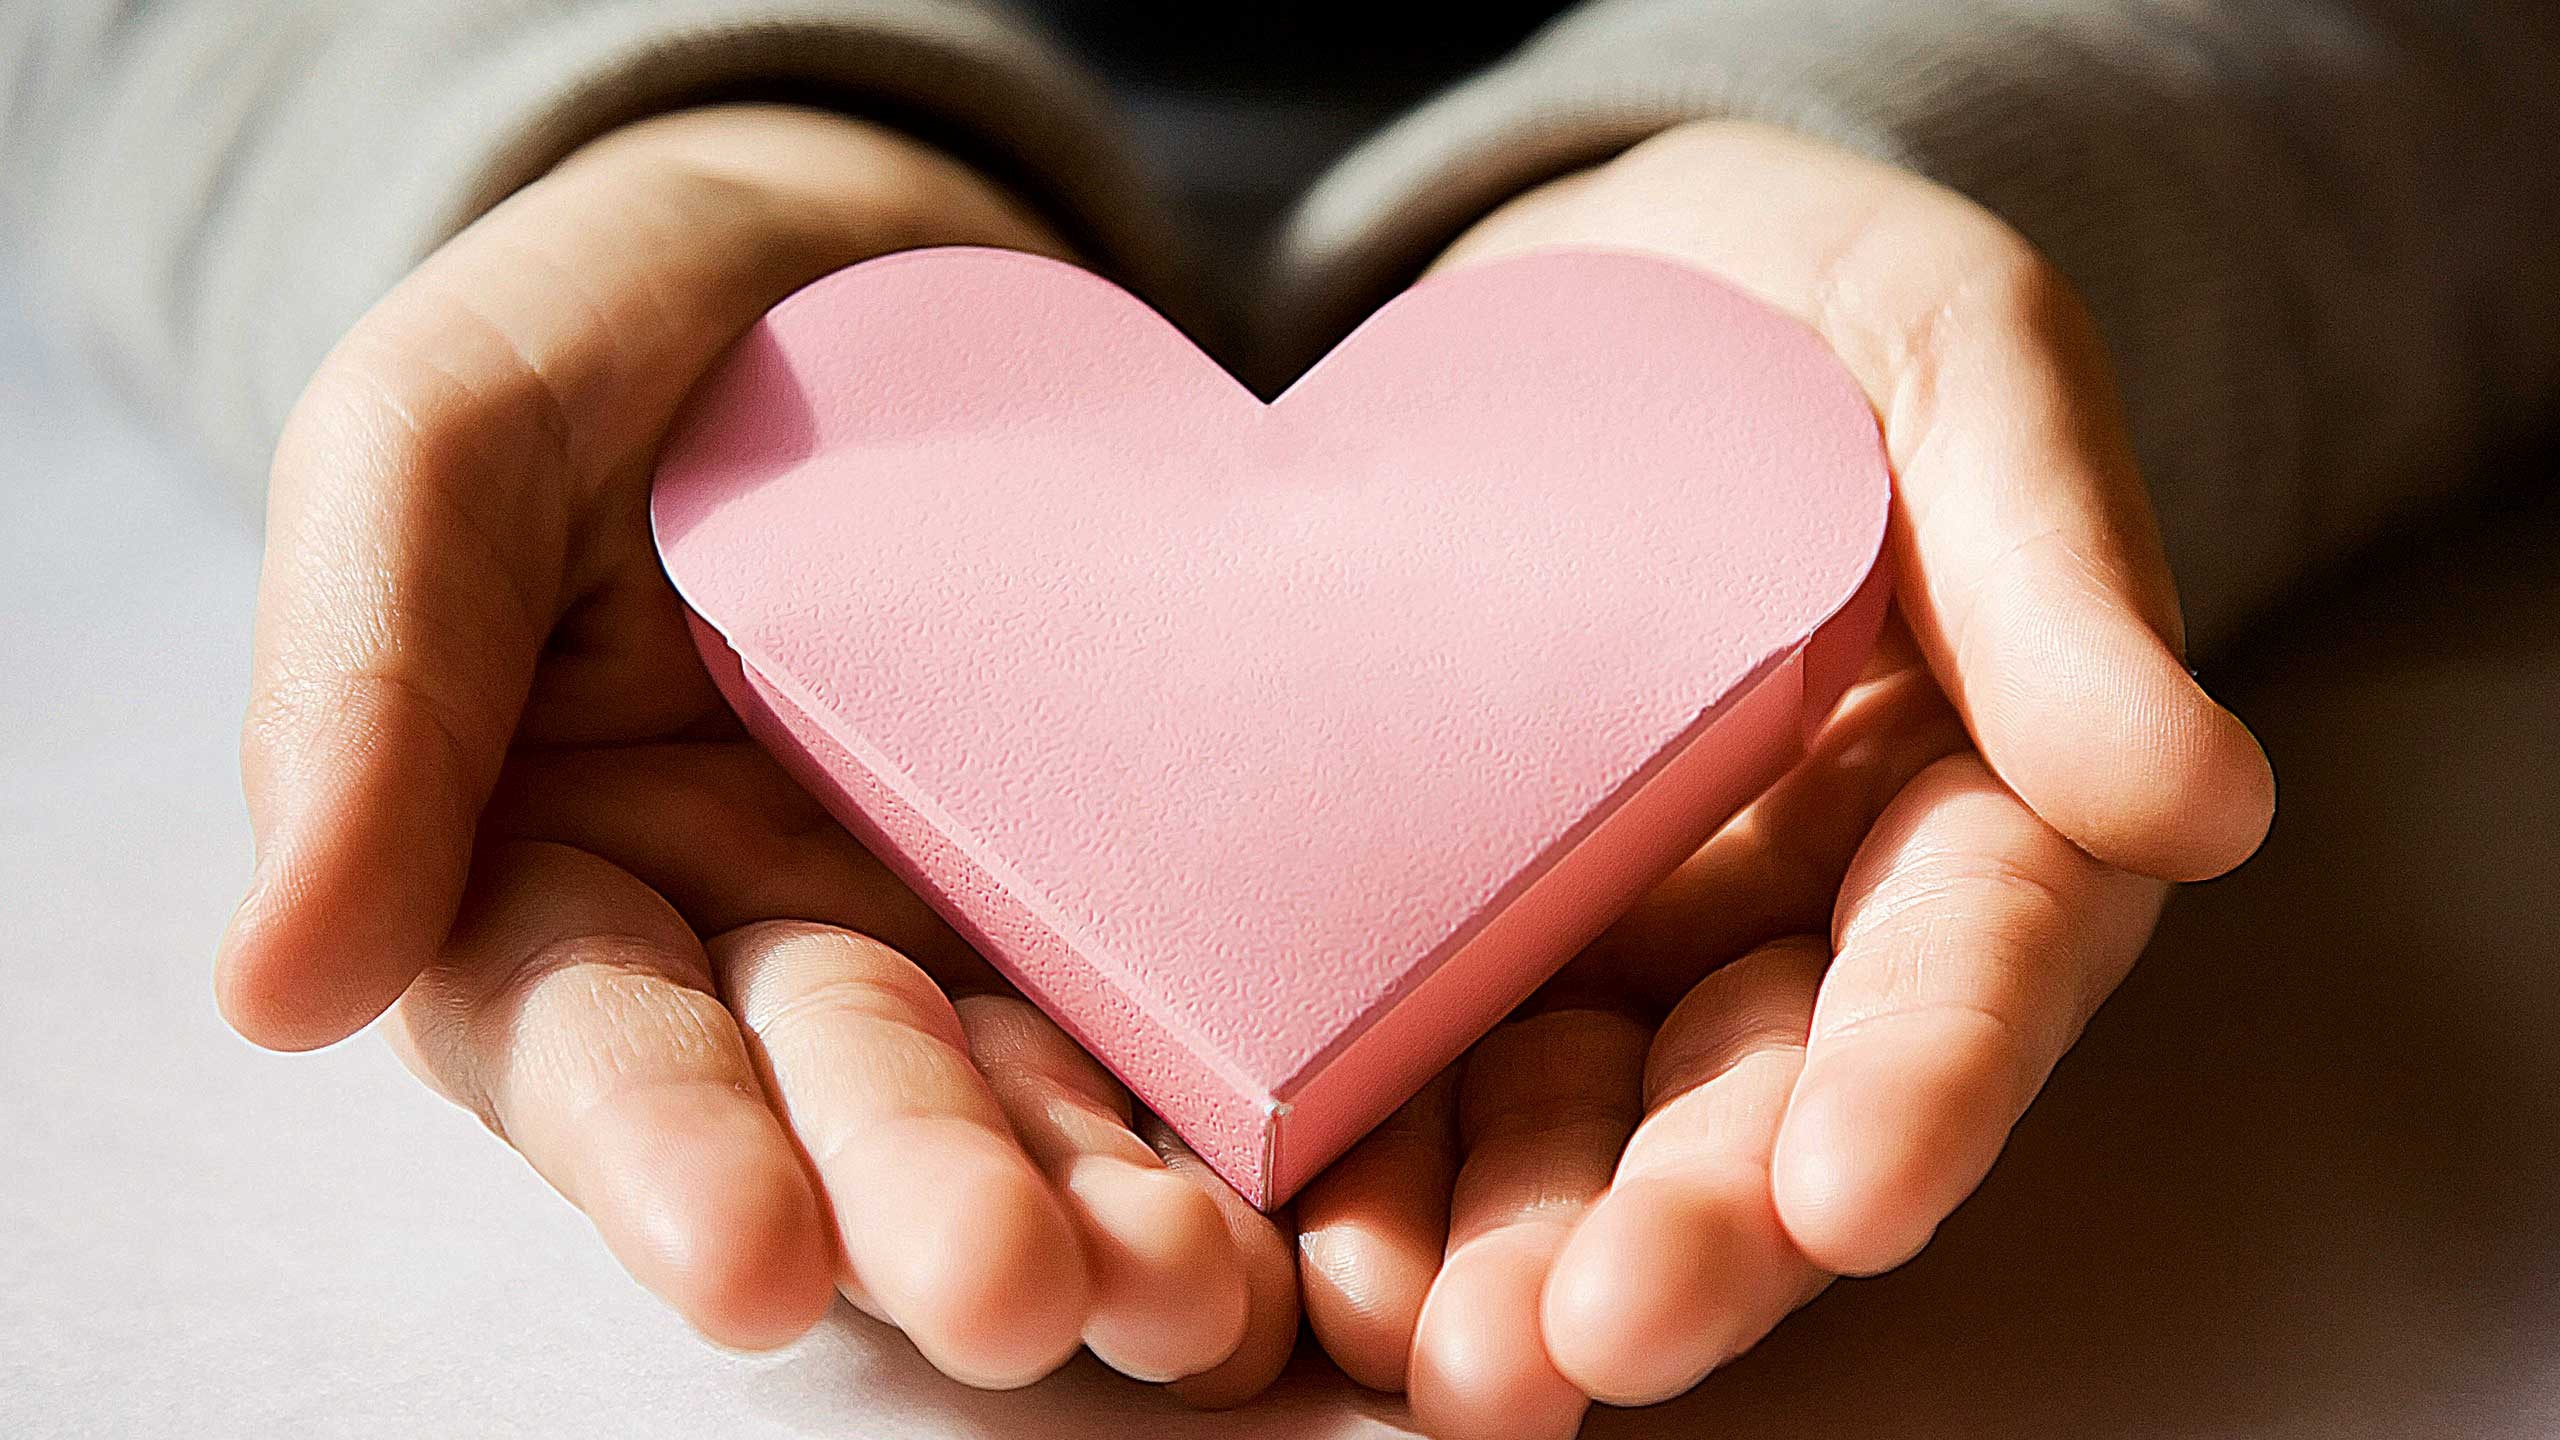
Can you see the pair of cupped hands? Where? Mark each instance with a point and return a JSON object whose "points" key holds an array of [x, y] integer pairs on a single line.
{"points": [[495, 792]]}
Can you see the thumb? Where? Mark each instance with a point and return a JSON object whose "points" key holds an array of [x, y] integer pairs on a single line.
{"points": [[2032, 576], [434, 484]]}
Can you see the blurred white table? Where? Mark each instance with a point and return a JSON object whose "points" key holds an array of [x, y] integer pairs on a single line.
{"points": [[2302, 1181]]}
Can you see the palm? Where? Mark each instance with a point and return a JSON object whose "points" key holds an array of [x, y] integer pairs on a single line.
{"points": [[1794, 1058], [695, 809], [491, 778]]}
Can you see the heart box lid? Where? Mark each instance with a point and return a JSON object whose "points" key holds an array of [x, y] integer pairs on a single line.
{"points": [[1277, 750]]}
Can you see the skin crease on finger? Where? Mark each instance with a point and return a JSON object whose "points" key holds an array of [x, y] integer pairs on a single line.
{"points": [[1684, 1263], [638, 802], [947, 1226], [646, 805], [1545, 1106]]}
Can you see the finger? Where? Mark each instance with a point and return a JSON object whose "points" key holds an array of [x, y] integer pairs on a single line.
{"points": [[572, 1012], [1973, 945], [400, 608], [948, 1230], [1371, 1232], [1270, 1280], [1683, 1264], [2033, 577], [1168, 1285], [2027, 561], [1545, 1106], [428, 485]]}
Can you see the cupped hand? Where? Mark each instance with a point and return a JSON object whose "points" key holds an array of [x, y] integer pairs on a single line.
{"points": [[492, 782], [1793, 1060]]}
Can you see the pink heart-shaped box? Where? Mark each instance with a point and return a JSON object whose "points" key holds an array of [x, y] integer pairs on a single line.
{"points": [[1277, 750]]}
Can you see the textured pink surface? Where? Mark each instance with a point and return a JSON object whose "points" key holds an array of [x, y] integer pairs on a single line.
{"points": [[1226, 728]]}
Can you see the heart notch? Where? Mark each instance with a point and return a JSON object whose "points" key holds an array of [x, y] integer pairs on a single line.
{"points": [[1278, 750]]}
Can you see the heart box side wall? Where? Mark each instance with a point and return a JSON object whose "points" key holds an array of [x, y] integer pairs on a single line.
{"points": [[1277, 751]]}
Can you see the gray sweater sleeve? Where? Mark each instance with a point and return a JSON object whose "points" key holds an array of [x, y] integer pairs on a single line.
{"points": [[2318, 235], [213, 190]]}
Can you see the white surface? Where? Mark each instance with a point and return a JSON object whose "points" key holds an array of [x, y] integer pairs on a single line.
{"points": [[2302, 1181]]}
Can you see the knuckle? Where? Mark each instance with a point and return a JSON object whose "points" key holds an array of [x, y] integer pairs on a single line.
{"points": [[573, 1021], [1671, 156], [364, 698], [1986, 1038], [758, 938], [474, 369], [370, 410], [1759, 1004], [2015, 289], [2009, 900], [430, 388], [588, 1015], [621, 978], [780, 956], [1993, 976], [850, 999], [353, 396]]}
